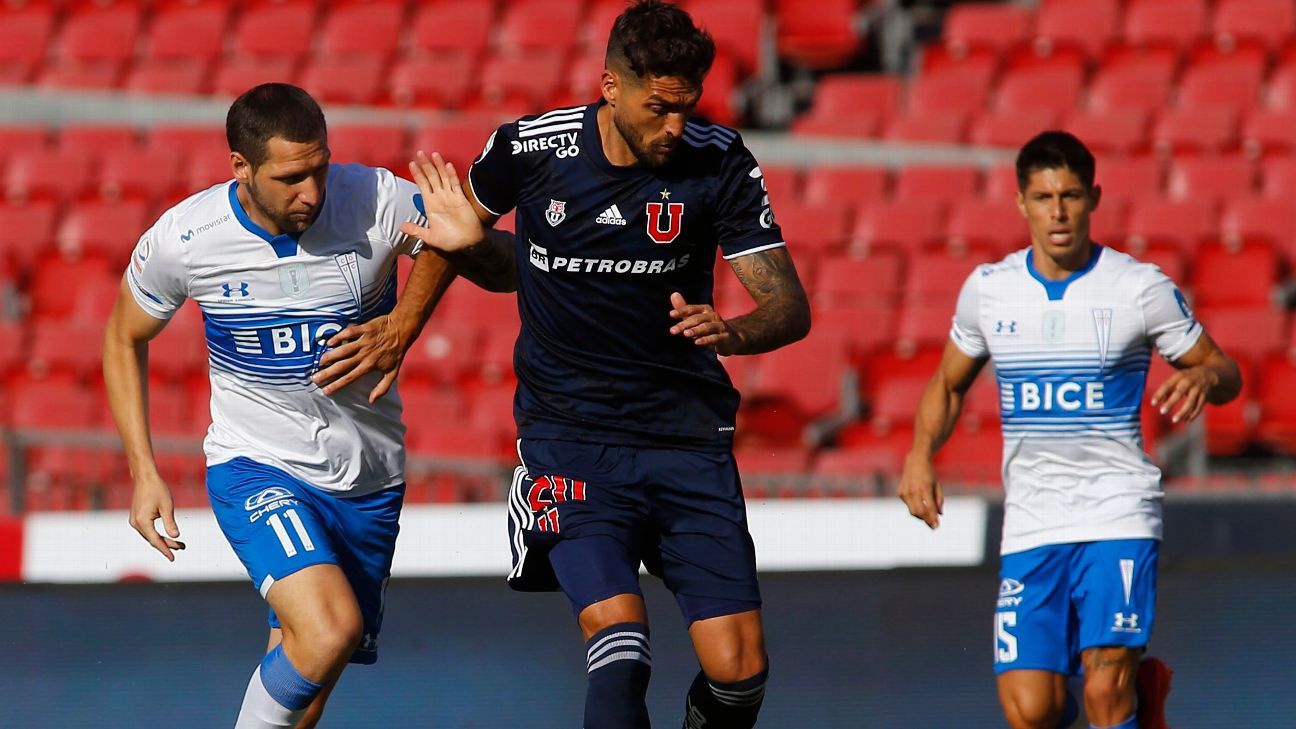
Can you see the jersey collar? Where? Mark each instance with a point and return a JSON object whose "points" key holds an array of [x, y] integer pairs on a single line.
{"points": [[1056, 289], [284, 245]]}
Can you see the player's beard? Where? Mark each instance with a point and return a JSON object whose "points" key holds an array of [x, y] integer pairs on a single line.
{"points": [[287, 223], [639, 147]]}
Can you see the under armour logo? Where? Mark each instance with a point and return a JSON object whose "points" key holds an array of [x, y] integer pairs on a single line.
{"points": [[1009, 327], [231, 291], [1126, 624]]}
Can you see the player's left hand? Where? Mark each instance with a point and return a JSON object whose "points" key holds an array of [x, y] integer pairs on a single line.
{"points": [[358, 350], [1188, 387], [703, 324]]}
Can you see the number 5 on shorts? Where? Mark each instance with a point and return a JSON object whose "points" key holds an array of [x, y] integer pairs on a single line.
{"points": [[290, 549], [1005, 642]]}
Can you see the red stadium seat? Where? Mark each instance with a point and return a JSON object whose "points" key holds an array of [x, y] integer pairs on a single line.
{"points": [[1052, 89], [1195, 130], [986, 25], [855, 282], [459, 140], [944, 183], [1166, 256], [46, 174], [817, 34], [24, 36], [1247, 218], [597, 24], [60, 348], [371, 144], [1250, 332], [719, 100], [850, 105], [938, 58], [1278, 178], [963, 90], [862, 464], [1270, 21], [968, 460], [924, 324], [1265, 133], [188, 31], [1087, 24], [1218, 270], [100, 33], [187, 142], [53, 404], [1230, 428], [1133, 82], [848, 186], [260, 30], [927, 126], [453, 26], [809, 376], [238, 74], [22, 138], [937, 277], [490, 410], [907, 225], [1277, 426], [102, 228], [1232, 82], [1000, 185], [868, 327], [817, 228], [1155, 219], [441, 81], [1118, 131], [168, 76], [782, 184], [1010, 129], [1210, 179], [894, 401], [354, 79], [756, 461], [73, 73], [538, 24], [1281, 91], [519, 82], [734, 24], [447, 351], [1128, 178], [1180, 22], [365, 28], [26, 231], [993, 225], [94, 140], [54, 284]]}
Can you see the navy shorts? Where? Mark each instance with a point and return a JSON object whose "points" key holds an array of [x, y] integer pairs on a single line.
{"points": [[278, 525], [584, 516]]}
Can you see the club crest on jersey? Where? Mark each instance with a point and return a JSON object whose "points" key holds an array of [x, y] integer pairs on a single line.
{"points": [[293, 280], [673, 225], [556, 213]]}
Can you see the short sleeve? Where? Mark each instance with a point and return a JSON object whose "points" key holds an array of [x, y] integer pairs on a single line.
{"points": [[156, 274], [744, 218], [404, 204], [493, 177], [965, 330], [1169, 322]]}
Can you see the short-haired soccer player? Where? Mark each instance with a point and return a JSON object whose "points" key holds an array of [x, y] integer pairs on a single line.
{"points": [[1071, 326]]}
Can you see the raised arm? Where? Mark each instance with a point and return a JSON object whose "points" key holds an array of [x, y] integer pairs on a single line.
{"points": [[1205, 375], [938, 412], [125, 369]]}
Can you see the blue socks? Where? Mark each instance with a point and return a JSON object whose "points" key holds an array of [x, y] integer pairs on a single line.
{"points": [[716, 705], [284, 684], [619, 663]]}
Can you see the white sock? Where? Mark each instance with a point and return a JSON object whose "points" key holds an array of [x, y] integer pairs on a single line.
{"points": [[261, 711]]}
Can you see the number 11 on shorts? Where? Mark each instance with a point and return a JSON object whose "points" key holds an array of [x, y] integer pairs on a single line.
{"points": [[281, 531]]}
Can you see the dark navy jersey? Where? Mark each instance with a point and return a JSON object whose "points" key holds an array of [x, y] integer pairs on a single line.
{"points": [[599, 250]]}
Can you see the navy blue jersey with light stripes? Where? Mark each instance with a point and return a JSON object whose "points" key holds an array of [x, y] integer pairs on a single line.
{"points": [[600, 249]]}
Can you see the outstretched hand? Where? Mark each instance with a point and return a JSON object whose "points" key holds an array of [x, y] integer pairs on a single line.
{"points": [[703, 324], [452, 223], [921, 491], [152, 501]]}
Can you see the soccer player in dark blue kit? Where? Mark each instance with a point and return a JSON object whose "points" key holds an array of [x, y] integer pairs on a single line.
{"points": [[625, 416]]}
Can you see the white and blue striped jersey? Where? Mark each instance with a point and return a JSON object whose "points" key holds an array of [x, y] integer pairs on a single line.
{"points": [[1071, 358], [268, 303]]}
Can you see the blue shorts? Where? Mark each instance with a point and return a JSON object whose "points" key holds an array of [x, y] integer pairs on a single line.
{"points": [[1059, 600], [278, 525], [583, 516]]}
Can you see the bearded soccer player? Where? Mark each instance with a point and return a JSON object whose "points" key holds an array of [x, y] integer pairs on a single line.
{"points": [[293, 263], [625, 415], [1071, 326]]}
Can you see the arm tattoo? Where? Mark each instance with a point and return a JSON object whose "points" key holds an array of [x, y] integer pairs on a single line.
{"points": [[782, 313], [490, 264]]}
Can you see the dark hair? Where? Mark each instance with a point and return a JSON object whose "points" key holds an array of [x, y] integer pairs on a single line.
{"points": [[1053, 150], [272, 110], [654, 38]]}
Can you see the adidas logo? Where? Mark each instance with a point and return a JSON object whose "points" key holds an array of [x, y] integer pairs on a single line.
{"points": [[611, 216]]}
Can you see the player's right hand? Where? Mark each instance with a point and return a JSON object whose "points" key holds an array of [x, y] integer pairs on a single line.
{"points": [[921, 491], [452, 223], [150, 502]]}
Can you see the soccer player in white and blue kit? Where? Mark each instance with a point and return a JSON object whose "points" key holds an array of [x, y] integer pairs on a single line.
{"points": [[1071, 326], [291, 257]]}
